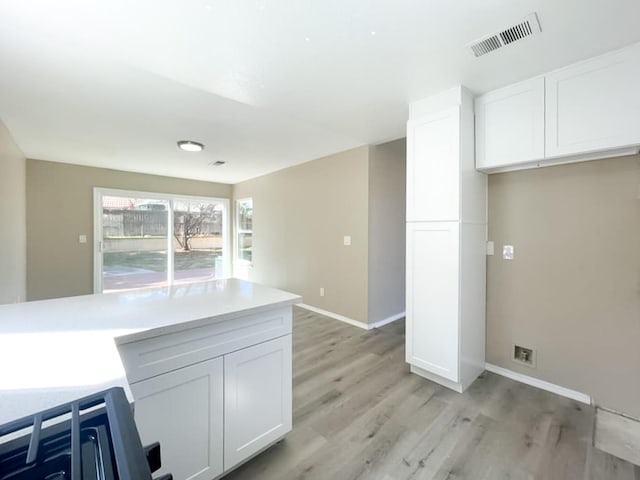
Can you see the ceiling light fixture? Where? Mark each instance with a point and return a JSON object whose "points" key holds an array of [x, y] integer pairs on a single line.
{"points": [[190, 146]]}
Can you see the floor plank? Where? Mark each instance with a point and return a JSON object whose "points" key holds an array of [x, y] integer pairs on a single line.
{"points": [[618, 435], [359, 414]]}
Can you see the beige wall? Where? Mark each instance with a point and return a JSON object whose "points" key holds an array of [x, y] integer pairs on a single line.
{"points": [[387, 187], [573, 290], [13, 229], [300, 216], [60, 207]]}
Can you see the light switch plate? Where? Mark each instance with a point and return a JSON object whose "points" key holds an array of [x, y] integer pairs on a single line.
{"points": [[490, 248], [507, 252], [347, 240], [82, 239]]}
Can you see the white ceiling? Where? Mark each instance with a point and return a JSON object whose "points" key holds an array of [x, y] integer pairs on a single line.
{"points": [[265, 84]]}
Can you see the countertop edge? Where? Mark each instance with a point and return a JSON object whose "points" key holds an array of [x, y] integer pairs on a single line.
{"points": [[200, 322]]}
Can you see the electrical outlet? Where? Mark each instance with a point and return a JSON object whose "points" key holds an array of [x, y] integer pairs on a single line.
{"points": [[322, 291], [524, 355]]}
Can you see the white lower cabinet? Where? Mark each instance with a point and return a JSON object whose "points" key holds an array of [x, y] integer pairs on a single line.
{"points": [[183, 410], [432, 297], [257, 401], [446, 301], [212, 414]]}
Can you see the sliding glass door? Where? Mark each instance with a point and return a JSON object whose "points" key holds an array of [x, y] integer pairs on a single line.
{"points": [[154, 239], [198, 245]]}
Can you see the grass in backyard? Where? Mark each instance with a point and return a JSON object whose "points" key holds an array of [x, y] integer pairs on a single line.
{"points": [[157, 261]]}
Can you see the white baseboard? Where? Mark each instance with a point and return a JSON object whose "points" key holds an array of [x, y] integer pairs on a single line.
{"points": [[351, 321], [335, 316], [386, 321], [536, 382]]}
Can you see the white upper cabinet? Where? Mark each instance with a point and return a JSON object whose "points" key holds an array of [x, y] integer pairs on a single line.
{"points": [[585, 111], [594, 105], [433, 167], [510, 125]]}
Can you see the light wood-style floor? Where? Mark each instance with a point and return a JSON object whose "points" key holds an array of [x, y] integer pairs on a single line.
{"points": [[360, 414]]}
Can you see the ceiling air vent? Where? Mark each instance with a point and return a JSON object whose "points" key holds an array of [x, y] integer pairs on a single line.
{"points": [[530, 25]]}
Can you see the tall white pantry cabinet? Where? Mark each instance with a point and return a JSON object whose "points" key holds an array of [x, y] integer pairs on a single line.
{"points": [[446, 242]]}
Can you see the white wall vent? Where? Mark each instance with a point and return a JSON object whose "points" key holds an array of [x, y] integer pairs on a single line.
{"points": [[530, 25]]}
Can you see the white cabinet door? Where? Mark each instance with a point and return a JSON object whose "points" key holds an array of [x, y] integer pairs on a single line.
{"points": [[433, 167], [183, 410], [594, 105], [432, 297], [257, 405], [510, 125]]}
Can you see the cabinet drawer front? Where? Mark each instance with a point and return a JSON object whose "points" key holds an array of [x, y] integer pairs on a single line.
{"points": [[148, 358], [594, 105]]}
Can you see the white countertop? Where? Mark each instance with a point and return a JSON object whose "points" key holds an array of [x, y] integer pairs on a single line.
{"points": [[54, 351]]}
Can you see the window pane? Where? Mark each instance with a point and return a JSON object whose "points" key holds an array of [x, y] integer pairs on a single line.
{"points": [[245, 214], [197, 240], [244, 246], [244, 238], [139, 243], [134, 242]]}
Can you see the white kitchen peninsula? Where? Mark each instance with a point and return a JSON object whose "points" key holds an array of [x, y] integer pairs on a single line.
{"points": [[208, 365]]}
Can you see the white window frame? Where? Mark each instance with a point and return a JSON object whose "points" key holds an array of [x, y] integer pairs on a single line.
{"points": [[237, 231], [99, 192]]}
